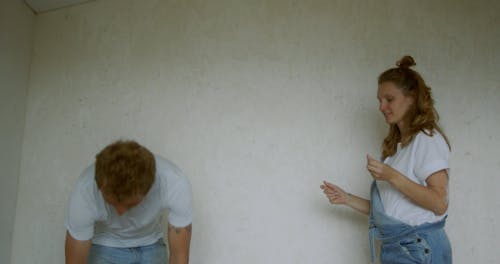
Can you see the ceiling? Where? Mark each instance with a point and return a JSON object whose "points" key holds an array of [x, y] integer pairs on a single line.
{"points": [[40, 6]]}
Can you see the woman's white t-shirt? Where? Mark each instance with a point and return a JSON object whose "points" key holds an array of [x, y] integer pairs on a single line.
{"points": [[417, 161]]}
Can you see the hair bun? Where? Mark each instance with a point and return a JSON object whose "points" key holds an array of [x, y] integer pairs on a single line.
{"points": [[406, 62]]}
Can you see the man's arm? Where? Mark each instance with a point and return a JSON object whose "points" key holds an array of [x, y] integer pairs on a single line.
{"points": [[179, 239], [76, 251]]}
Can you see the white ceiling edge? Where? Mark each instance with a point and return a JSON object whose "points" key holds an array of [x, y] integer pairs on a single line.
{"points": [[40, 6]]}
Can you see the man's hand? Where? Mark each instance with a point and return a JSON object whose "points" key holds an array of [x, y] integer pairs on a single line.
{"points": [[76, 251], [179, 239]]}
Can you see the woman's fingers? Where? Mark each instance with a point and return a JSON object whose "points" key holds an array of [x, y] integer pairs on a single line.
{"points": [[372, 161], [328, 184], [331, 186], [334, 193], [329, 190]]}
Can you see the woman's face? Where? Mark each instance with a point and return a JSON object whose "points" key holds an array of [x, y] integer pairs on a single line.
{"points": [[393, 103]]}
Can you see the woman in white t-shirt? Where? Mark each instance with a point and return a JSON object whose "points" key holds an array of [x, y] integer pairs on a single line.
{"points": [[409, 195]]}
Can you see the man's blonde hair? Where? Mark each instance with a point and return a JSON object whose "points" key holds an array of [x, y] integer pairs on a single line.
{"points": [[125, 169]]}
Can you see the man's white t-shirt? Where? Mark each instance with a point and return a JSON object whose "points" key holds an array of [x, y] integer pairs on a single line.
{"points": [[90, 217], [424, 156]]}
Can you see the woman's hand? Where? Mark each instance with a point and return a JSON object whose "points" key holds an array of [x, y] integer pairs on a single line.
{"points": [[334, 193], [380, 171]]}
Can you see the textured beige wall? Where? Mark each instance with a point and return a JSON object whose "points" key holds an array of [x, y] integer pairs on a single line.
{"points": [[16, 42], [258, 102]]}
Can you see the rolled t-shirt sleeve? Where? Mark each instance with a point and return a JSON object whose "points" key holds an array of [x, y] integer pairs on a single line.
{"points": [[81, 214], [179, 203], [432, 155]]}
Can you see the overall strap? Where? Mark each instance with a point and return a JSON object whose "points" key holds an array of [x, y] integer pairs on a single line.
{"points": [[374, 195], [382, 226]]}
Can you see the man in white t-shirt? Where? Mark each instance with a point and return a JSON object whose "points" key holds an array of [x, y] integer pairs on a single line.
{"points": [[115, 210]]}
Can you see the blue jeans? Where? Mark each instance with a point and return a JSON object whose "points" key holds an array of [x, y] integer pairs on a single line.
{"points": [[151, 254], [405, 244]]}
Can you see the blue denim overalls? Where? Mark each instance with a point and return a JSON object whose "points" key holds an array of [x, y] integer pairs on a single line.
{"points": [[402, 243]]}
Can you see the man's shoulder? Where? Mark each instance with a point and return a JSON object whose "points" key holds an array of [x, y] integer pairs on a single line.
{"points": [[87, 177], [85, 201], [167, 170], [171, 179], [86, 185]]}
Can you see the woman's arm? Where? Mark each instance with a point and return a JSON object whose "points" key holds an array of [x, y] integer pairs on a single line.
{"points": [[336, 195], [433, 197]]}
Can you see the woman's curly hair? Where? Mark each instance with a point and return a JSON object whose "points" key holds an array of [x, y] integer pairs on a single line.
{"points": [[422, 115]]}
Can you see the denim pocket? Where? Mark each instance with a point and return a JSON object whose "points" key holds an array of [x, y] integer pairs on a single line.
{"points": [[410, 250]]}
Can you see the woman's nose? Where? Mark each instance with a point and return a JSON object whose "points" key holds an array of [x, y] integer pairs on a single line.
{"points": [[381, 106]]}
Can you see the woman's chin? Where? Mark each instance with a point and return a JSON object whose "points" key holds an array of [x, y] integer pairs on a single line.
{"points": [[389, 121]]}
